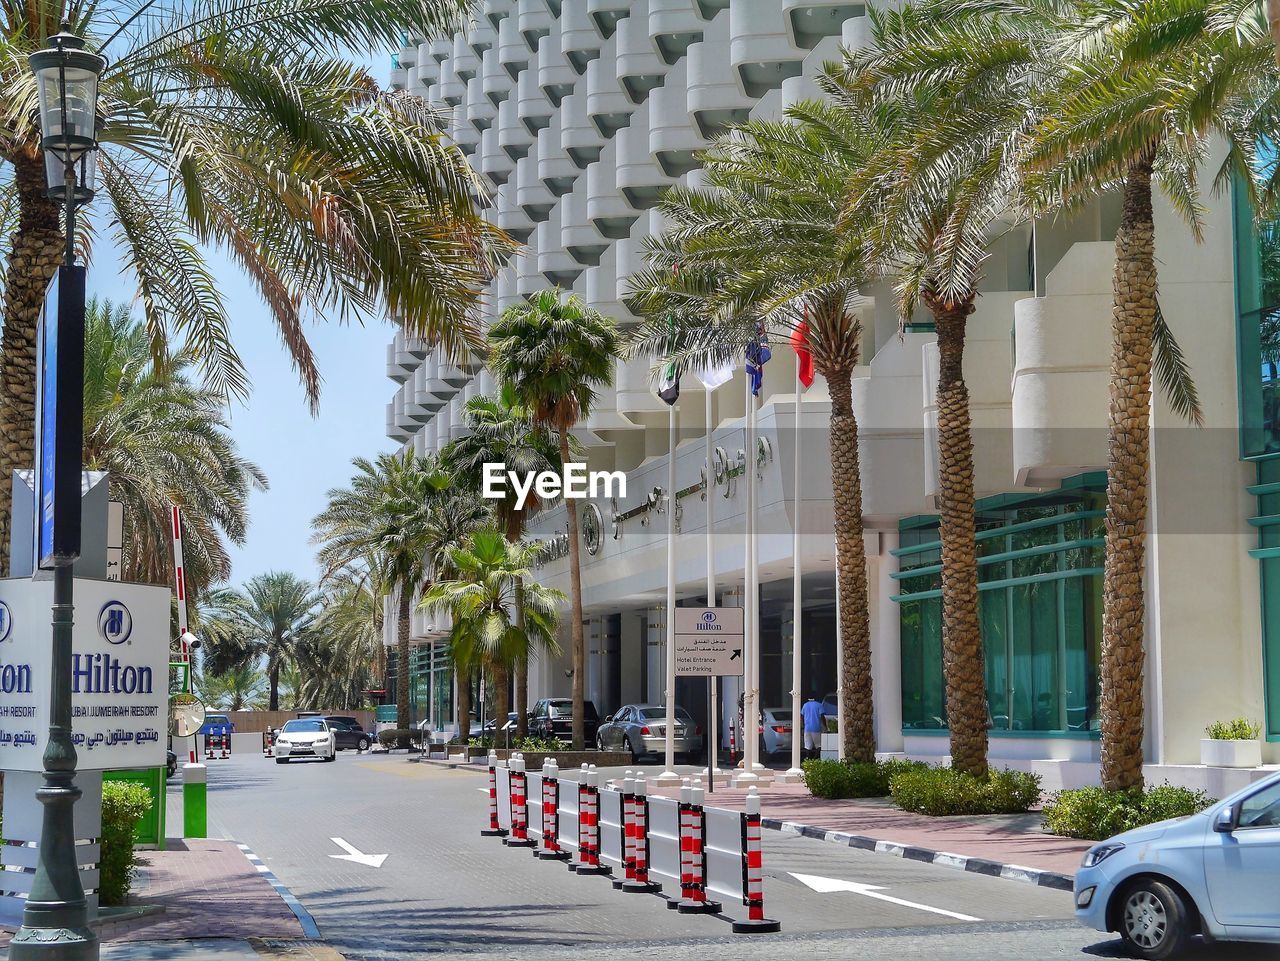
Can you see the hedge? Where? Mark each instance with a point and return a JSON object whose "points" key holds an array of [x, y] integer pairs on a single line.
{"points": [[850, 779], [1092, 814], [124, 804], [940, 791]]}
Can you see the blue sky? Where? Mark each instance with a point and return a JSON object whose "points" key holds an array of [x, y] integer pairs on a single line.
{"points": [[303, 456]]}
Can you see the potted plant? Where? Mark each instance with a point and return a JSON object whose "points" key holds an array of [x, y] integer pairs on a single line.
{"points": [[1232, 744]]}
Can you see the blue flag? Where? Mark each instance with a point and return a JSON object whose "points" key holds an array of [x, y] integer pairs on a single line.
{"points": [[758, 355]]}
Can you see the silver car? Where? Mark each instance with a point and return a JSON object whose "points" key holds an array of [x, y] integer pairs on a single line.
{"points": [[641, 729]]}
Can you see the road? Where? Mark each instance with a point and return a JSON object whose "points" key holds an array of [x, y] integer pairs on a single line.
{"points": [[442, 890]]}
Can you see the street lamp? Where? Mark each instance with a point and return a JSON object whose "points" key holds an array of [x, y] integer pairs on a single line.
{"points": [[55, 924]]}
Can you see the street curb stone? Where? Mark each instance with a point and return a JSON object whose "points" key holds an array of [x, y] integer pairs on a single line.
{"points": [[309, 926], [912, 852]]}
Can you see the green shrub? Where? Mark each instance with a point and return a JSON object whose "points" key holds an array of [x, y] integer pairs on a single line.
{"points": [[1239, 729], [124, 804], [390, 737], [939, 791], [849, 779], [1092, 814], [540, 744]]}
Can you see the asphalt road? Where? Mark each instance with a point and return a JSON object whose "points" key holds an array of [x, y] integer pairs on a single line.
{"points": [[444, 891]]}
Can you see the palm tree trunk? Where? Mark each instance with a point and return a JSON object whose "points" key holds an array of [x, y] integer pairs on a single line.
{"points": [[402, 664], [856, 728], [575, 627], [1273, 18], [963, 665], [501, 698], [1128, 438], [37, 250], [464, 707], [273, 679]]}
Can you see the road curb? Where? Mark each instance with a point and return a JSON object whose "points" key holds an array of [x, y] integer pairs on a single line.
{"points": [[309, 927], [458, 765], [912, 852]]}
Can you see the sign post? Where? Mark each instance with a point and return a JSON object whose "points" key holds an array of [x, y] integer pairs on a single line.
{"points": [[709, 643]]}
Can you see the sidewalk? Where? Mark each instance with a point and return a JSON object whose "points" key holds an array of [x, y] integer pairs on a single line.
{"points": [[992, 843], [209, 896]]}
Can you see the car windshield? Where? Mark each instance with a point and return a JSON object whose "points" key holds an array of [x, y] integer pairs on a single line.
{"points": [[216, 719], [660, 714], [564, 708], [295, 727]]}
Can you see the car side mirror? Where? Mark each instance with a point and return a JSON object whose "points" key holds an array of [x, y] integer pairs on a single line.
{"points": [[608, 719], [1225, 822]]}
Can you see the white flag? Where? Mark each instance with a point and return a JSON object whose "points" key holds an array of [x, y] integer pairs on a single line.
{"points": [[713, 377]]}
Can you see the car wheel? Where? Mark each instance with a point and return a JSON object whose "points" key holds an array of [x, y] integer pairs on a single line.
{"points": [[636, 753], [362, 744], [281, 760], [333, 756], [1153, 921], [599, 743]]}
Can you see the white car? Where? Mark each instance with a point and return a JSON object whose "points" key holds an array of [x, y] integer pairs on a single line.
{"points": [[777, 730], [305, 737]]}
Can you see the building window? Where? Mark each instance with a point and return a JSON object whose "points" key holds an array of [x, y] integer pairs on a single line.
{"points": [[1257, 267], [1040, 590]]}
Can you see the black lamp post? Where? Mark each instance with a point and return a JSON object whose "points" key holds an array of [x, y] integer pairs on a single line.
{"points": [[55, 924]]}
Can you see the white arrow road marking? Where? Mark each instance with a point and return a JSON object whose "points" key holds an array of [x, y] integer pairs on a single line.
{"points": [[833, 885], [356, 855]]}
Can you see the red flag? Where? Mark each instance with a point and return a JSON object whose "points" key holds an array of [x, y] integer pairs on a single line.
{"points": [[800, 344]]}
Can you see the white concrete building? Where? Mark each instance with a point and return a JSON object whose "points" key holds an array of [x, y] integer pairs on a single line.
{"points": [[581, 112]]}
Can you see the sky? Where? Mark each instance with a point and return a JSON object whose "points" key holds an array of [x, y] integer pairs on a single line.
{"points": [[303, 456]]}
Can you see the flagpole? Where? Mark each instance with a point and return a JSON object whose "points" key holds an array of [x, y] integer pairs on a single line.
{"points": [[797, 722], [752, 463], [712, 744], [750, 634], [669, 775]]}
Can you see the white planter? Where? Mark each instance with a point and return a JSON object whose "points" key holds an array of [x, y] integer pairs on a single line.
{"points": [[1230, 753]]}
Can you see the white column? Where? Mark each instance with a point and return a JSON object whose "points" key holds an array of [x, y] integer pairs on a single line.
{"points": [[712, 682]]}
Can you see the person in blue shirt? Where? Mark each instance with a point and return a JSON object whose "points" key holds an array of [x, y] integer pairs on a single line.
{"points": [[811, 712]]}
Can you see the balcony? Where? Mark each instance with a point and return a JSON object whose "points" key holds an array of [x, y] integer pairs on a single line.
{"points": [[606, 207], [512, 135], [556, 77], [535, 21], [393, 430], [805, 86], [466, 62], [714, 99], [398, 78], [673, 26], [673, 140], [555, 168], [531, 103], [482, 36], [452, 87], [513, 52], [605, 14], [554, 262], [638, 174], [494, 161], [495, 10], [578, 235], [580, 40], [635, 388], [638, 67], [495, 82], [811, 21], [510, 216], [600, 288], [408, 56], [761, 49], [480, 113], [531, 193], [1061, 369], [529, 280], [396, 370], [581, 139], [608, 106]]}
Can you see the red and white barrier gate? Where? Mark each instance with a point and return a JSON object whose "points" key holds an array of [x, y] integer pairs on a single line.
{"points": [[494, 830], [589, 823], [639, 882], [519, 837], [551, 850], [753, 872], [693, 864]]}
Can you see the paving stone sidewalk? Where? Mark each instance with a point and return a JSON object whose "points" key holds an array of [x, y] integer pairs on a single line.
{"points": [[1002, 839]]}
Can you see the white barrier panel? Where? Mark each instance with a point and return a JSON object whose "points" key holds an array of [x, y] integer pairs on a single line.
{"points": [[567, 813], [664, 838], [723, 851], [611, 829], [533, 805], [504, 796]]}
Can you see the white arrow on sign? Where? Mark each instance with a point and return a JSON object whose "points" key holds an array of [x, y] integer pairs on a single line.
{"points": [[834, 885], [356, 855]]}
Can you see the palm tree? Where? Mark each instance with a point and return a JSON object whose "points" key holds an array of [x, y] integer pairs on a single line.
{"points": [[163, 440], [240, 127], [1149, 84], [242, 688], [343, 652], [1273, 18], [760, 240], [552, 352], [275, 612], [500, 616], [499, 433], [383, 519]]}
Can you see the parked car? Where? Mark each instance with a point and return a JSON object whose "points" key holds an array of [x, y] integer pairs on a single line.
{"points": [[491, 728], [553, 717], [777, 730], [170, 764], [306, 737], [348, 733], [218, 722], [1213, 873], [641, 729]]}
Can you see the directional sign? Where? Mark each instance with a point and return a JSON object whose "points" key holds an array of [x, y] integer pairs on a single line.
{"points": [[836, 885], [355, 855], [709, 641]]}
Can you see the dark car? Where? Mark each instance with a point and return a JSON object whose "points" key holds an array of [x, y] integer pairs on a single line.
{"points": [[170, 764], [349, 734], [553, 717]]}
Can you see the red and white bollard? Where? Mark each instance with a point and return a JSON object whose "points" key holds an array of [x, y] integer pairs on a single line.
{"points": [[589, 823], [494, 830], [226, 745], [627, 789], [753, 872], [519, 837], [551, 813], [693, 864], [268, 744], [640, 883]]}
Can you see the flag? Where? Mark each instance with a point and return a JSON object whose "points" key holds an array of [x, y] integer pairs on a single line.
{"points": [[800, 344], [758, 355], [716, 376], [669, 381]]}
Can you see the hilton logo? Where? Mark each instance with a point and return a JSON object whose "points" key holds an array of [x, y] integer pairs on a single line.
{"points": [[115, 623], [6, 622], [708, 622]]}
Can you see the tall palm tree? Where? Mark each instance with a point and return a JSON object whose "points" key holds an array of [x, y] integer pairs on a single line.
{"points": [[1149, 84], [760, 240], [274, 612], [241, 126], [344, 652], [383, 518], [164, 440], [553, 352], [499, 615], [500, 433], [243, 688]]}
